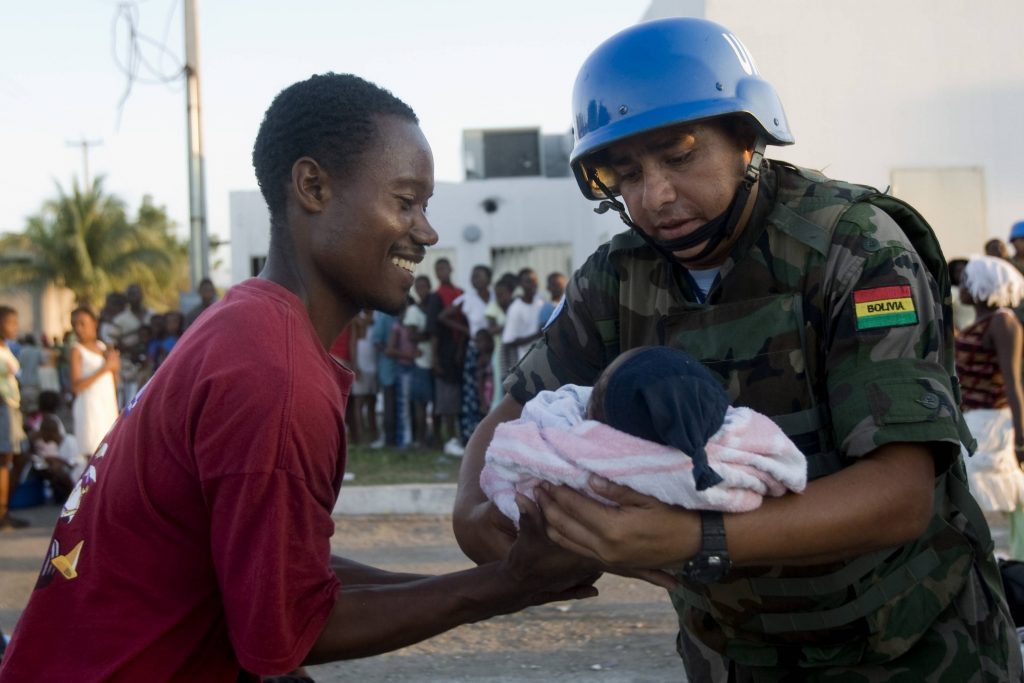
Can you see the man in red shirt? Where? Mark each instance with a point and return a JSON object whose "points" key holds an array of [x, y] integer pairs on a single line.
{"points": [[197, 545]]}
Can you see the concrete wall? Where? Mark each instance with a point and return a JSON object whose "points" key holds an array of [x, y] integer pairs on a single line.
{"points": [[45, 311], [529, 211], [250, 231], [876, 86]]}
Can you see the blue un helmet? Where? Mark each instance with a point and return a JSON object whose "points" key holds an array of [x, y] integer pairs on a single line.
{"points": [[661, 73], [1017, 231]]}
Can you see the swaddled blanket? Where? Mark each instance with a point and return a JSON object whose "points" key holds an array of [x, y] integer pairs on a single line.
{"points": [[554, 442]]}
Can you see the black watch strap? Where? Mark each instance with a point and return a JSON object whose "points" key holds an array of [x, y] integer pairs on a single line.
{"points": [[712, 563]]}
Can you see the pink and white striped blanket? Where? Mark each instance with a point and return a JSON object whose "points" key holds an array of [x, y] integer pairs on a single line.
{"points": [[554, 442]]}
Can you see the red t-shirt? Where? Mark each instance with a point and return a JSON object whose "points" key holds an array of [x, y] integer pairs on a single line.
{"points": [[448, 294], [341, 348], [198, 541]]}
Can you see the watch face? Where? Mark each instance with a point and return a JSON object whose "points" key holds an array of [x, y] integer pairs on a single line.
{"points": [[707, 568]]}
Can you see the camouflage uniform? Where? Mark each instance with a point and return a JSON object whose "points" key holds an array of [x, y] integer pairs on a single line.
{"points": [[825, 318]]}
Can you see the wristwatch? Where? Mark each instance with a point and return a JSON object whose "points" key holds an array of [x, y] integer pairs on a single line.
{"points": [[712, 563]]}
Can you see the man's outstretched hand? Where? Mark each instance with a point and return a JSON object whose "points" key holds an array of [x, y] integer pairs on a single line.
{"points": [[534, 560]]}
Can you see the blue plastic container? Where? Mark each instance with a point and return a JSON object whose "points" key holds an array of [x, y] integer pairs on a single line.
{"points": [[29, 493]]}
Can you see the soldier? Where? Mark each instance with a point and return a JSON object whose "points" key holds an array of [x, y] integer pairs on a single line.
{"points": [[822, 304]]}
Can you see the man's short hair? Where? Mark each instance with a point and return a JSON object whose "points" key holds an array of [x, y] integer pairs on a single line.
{"points": [[329, 118], [6, 311]]}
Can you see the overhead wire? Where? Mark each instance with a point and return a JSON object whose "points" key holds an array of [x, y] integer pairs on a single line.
{"points": [[134, 60]]}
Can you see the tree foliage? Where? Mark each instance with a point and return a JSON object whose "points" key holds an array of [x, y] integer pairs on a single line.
{"points": [[84, 240]]}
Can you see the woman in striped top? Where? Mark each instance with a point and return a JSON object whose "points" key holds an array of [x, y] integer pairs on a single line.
{"points": [[988, 360]]}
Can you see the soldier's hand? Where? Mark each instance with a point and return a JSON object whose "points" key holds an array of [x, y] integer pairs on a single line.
{"points": [[640, 534]]}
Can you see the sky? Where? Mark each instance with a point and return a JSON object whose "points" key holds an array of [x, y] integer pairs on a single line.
{"points": [[459, 63]]}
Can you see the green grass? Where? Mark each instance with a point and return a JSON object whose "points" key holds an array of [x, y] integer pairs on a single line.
{"points": [[397, 466]]}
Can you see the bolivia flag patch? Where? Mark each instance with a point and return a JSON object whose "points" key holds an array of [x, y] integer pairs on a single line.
{"points": [[884, 307]]}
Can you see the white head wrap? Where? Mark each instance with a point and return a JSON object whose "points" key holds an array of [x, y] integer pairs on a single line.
{"points": [[993, 281]]}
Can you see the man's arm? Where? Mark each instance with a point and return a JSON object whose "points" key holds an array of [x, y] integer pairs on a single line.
{"points": [[371, 619], [352, 573], [482, 532], [883, 500]]}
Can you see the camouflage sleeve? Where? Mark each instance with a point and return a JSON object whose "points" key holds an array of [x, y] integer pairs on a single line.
{"points": [[573, 350], [884, 345]]}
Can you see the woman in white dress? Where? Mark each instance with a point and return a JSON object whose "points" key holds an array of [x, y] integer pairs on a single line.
{"points": [[94, 368]]}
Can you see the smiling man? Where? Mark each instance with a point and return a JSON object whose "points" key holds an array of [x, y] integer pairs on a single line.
{"points": [[822, 304], [198, 548]]}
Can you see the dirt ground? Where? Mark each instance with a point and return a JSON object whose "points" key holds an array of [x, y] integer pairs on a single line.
{"points": [[626, 635]]}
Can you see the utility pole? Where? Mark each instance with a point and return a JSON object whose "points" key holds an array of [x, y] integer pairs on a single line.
{"points": [[85, 145], [198, 245]]}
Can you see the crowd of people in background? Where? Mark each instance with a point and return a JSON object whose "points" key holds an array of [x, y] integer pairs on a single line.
{"points": [[62, 394], [435, 370], [988, 312], [426, 377]]}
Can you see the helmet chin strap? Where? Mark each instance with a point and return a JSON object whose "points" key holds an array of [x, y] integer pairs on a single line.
{"points": [[714, 232]]}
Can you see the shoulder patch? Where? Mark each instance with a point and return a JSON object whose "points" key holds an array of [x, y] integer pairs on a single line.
{"points": [[884, 307]]}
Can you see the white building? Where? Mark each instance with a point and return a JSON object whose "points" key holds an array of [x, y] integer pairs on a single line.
{"points": [[544, 223], [925, 96]]}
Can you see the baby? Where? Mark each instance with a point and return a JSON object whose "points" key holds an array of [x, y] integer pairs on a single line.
{"points": [[656, 421]]}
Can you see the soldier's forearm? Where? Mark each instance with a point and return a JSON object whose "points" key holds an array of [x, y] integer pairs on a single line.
{"points": [[882, 501], [474, 531]]}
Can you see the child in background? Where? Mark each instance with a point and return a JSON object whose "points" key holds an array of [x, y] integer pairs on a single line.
{"points": [[421, 393], [380, 333], [48, 404], [361, 417], [49, 379], [56, 452], [484, 342], [173, 322], [136, 365], [403, 350]]}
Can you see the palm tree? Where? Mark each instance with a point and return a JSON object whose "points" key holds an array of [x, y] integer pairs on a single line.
{"points": [[85, 242]]}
